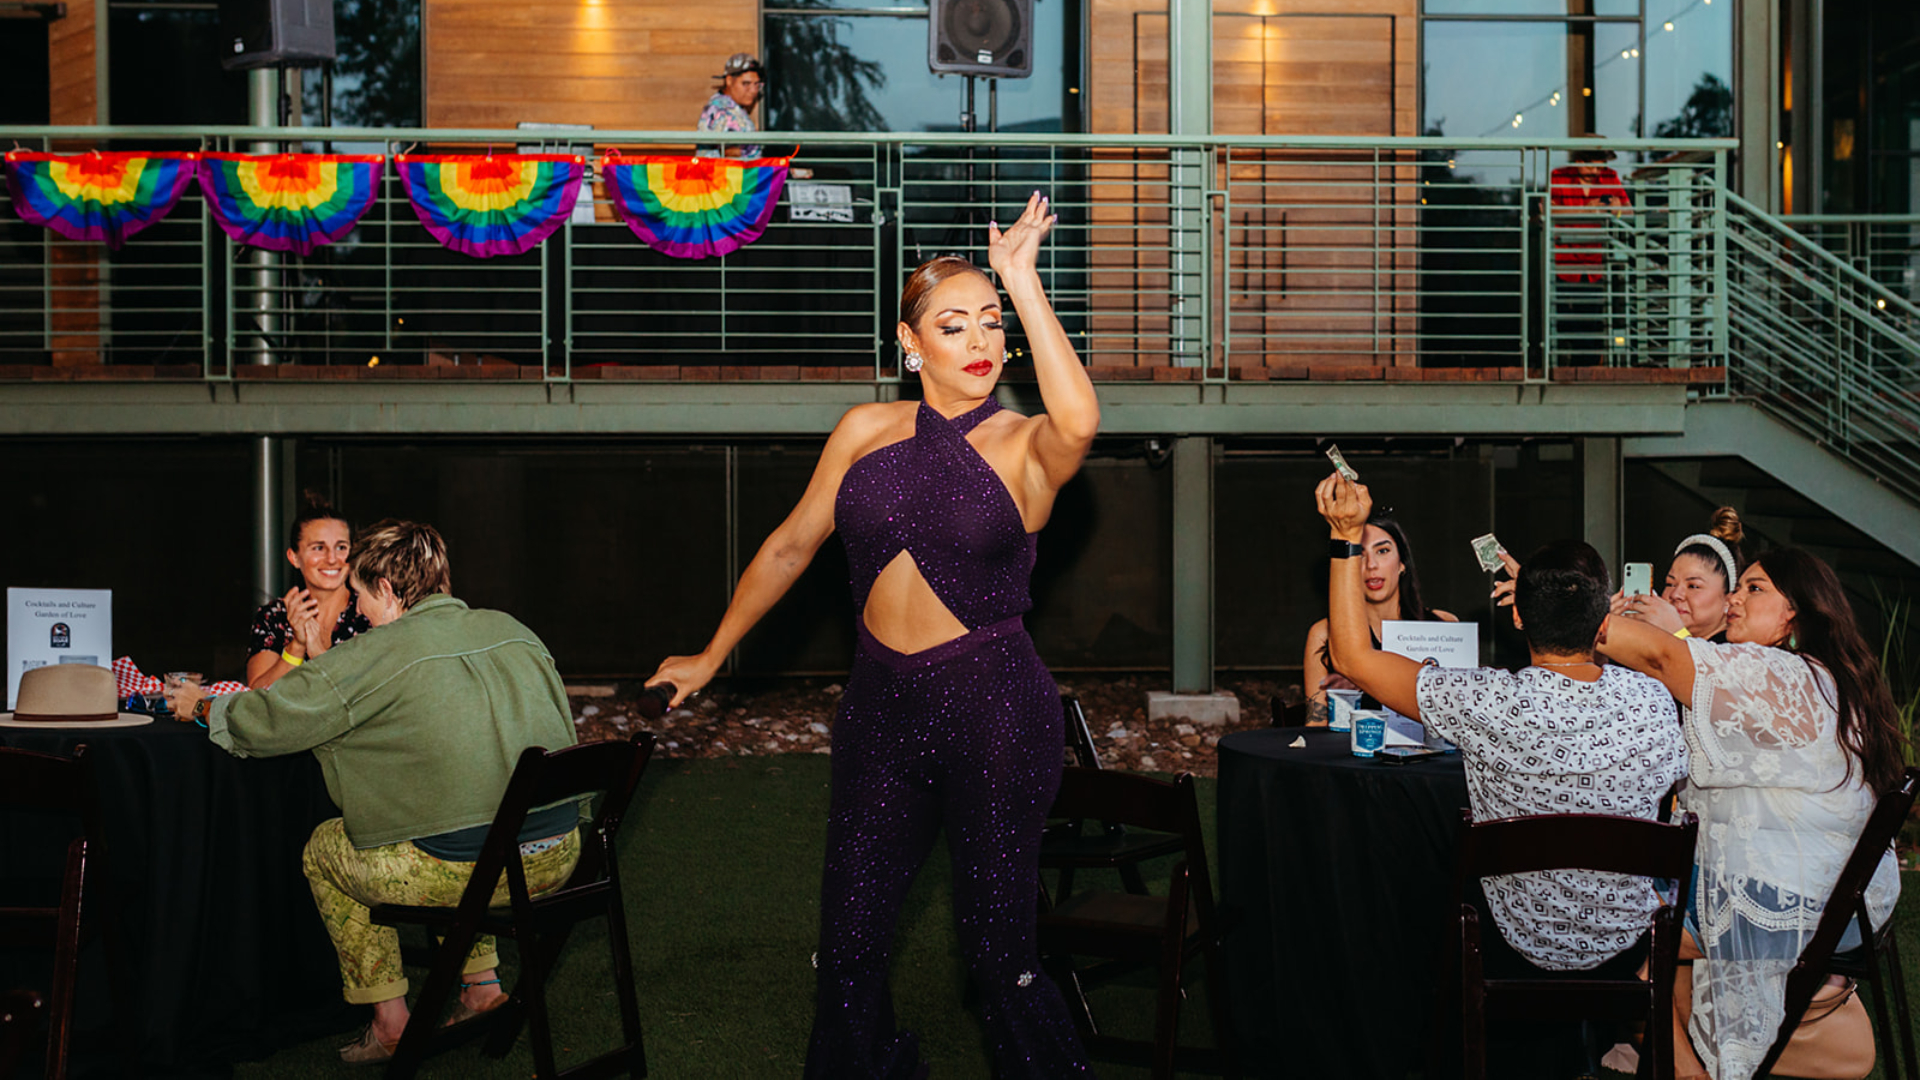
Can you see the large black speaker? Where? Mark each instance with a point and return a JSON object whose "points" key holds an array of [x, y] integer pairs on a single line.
{"points": [[275, 33], [981, 37]]}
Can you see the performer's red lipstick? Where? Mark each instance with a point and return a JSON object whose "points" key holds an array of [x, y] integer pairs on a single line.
{"points": [[979, 367]]}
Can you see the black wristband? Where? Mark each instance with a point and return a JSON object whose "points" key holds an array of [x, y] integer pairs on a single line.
{"points": [[1344, 549]]}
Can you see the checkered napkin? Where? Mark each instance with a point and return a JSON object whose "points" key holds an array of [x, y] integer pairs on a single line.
{"points": [[132, 682]]}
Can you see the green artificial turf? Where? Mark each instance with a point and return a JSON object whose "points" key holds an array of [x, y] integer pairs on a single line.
{"points": [[720, 861]]}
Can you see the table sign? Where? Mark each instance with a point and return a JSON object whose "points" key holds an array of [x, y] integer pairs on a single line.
{"points": [[56, 626], [1443, 644]]}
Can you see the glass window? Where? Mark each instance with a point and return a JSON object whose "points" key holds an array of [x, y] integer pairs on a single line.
{"points": [[857, 72], [23, 56], [1535, 7], [1542, 92], [1689, 54], [164, 68], [376, 75]]}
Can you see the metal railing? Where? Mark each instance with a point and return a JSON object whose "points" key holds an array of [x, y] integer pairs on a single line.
{"points": [[1822, 346], [1885, 247], [1233, 257]]}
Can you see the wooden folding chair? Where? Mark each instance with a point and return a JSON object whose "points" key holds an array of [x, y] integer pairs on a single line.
{"points": [[1848, 903], [1126, 930], [540, 924], [1070, 844], [1595, 842], [64, 785]]}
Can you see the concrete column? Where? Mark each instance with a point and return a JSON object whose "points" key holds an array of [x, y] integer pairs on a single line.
{"points": [[1193, 565], [1601, 491], [1757, 90], [1190, 111]]}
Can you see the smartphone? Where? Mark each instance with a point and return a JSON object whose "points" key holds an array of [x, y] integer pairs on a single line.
{"points": [[1638, 579], [1400, 755]]}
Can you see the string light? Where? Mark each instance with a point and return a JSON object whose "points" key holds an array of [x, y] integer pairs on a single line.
{"points": [[1630, 53]]}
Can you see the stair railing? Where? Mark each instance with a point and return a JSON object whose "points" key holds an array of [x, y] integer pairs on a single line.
{"points": [[1821, 346]]}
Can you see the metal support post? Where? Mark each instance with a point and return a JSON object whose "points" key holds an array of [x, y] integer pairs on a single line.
{"points": [[1190, 87], [269, 481], [1193, 565], [1601, 498], [265, 87]]}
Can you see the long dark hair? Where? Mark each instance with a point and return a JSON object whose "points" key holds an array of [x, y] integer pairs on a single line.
{"points": [[1412, 607], [1825, 630]]}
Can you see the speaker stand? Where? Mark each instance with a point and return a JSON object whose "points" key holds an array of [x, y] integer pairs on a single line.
{"points": [[966, 218]]}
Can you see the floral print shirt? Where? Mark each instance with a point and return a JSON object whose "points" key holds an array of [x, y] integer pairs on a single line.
{"points": [[725, 114], [272, 632]]}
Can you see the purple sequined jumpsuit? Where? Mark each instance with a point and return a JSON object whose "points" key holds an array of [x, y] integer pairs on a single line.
{"points": [[965, 737]]}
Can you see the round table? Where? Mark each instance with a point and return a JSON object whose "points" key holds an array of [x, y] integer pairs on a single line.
{"points": [[1338, 870], [218, 952]]}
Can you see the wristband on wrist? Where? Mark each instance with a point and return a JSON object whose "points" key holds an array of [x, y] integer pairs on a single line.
{"points": [[201, 709], [1344, 549], [292, 660], [1682, 633]]}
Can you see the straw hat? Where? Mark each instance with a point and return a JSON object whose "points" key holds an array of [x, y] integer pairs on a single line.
{"points": [[70, 695]]}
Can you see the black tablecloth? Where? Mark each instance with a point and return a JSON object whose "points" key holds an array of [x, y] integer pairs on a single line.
{"points": [[218, 950], [1339, 870]]}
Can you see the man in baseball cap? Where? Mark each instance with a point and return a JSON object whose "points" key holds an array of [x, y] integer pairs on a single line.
{"points": [[731, 106]]}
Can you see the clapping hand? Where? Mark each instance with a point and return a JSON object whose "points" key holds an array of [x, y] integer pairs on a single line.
{"points": [[303, 617], [1345, 505], [1018, 248]]}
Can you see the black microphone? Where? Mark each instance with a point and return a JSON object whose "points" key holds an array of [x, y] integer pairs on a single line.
{"points": [[655, 699]]}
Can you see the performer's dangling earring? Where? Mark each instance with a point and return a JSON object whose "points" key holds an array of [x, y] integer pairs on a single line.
{"points": [[913, 360]]}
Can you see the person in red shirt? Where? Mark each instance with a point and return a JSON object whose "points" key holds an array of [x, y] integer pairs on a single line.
{"points": [[1583, 190]]}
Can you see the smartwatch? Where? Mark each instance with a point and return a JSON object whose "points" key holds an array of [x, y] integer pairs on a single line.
{"points": [[1344, 549]]}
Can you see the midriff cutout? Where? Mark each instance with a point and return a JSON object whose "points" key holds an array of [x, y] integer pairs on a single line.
{"points": [[904, 613]]}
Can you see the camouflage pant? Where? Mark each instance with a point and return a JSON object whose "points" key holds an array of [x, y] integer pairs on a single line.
{"points": [[347, 881]]}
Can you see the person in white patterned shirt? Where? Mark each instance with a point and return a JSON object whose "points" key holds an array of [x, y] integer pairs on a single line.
{"points": [[1560, 736]]}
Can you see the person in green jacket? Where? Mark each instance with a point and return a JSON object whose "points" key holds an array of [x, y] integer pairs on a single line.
{"points": [[417, 724]]}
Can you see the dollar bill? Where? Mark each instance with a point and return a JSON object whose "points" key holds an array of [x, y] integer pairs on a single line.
{"points": [[1487, 550], [1340, 465]]}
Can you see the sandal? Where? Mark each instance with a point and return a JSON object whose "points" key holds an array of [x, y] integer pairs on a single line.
{"points": [[461, 1014], [368, 1050]]}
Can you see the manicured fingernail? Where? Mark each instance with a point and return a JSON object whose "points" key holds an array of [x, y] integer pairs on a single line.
{"points": [[993, 224]]}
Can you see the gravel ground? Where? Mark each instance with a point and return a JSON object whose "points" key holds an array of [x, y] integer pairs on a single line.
{"points": [[795, 716]]}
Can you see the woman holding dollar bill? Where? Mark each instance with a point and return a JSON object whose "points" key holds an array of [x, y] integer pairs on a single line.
{"points": [[1393, 592]]}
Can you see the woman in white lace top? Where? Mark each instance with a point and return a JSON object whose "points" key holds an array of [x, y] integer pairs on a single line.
{"points": [[1791, 737]]}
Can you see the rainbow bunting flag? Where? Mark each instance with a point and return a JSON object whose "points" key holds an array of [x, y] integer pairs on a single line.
{"points": [[96, 197], [693, 208], [289, 202], [500, 204]]}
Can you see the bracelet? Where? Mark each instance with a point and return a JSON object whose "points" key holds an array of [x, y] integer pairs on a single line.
{"points": [[1682, 632], [201, 709], [292, 660]]}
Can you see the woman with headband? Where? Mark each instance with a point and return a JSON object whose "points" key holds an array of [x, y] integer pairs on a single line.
{"points": [[1705, 567]]}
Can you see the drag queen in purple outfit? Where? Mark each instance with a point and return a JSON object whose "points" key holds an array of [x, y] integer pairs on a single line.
{"points": [[950, 722]]}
